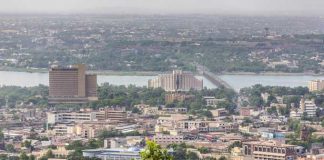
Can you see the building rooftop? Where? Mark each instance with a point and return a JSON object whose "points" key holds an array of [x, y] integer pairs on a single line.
{"points": [[270, 143]]}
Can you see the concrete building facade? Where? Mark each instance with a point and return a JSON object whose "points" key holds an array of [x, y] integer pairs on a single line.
{"points": [[176, 81], [316, 85], [268, 150], [71, 85]]}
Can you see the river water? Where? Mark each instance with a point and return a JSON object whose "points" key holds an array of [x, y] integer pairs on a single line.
{"points": [[236, 81]]}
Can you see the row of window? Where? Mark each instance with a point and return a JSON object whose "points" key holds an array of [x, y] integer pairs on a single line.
{"points": [[267, 149]]}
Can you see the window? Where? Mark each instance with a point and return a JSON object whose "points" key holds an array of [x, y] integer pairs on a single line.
{"points": [[283, 150]]}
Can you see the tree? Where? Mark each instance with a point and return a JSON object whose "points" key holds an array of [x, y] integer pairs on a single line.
{"points": [[154, 151], [222, 158], [272, 111], [1, 136], [3, 157], [136, 110], [204, 150], [26, 144], [10, 148], [23, 156], [49, 154], [179, 150], [209, 158], [235, 144], [31, 157], [192, 156]]}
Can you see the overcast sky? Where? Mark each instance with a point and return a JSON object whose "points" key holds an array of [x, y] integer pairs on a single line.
{"points": [[242, 7]]}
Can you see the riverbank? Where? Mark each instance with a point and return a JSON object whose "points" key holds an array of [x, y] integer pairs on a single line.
{"points": [[155, 73], [30, 70], [28, 79], [99, 72], [124, 73], [272, 74]]}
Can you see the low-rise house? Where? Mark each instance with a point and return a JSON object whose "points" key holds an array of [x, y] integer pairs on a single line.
{"points": [[212, 101], [172, 119], [59, 152], [166, 110], [219, 112]]}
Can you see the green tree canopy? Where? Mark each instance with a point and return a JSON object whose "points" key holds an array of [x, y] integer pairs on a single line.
{"points": [[153, 151]]}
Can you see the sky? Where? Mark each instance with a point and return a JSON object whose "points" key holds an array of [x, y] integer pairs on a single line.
{"points": [[232, 7]]}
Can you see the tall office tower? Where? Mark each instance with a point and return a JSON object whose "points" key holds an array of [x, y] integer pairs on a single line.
{"points": [[71, 85], [177, 81], [316, 85], [91, 87]]}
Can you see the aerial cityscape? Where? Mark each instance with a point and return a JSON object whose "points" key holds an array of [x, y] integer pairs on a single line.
{"points": [[147, 80]]}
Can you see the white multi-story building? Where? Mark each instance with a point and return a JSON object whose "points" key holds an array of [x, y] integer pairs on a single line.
{"points": [[85, 115], [316, 85], [212, 101], [54, 117], [177, 81], [307, 107], [63, 129]]}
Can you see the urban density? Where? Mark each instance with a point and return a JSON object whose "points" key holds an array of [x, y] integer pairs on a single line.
{"points": [[244, 84]]}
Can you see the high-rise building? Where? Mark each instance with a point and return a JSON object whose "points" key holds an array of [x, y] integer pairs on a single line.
{"points": [[71, 85], [316, 85], [177, 81]]}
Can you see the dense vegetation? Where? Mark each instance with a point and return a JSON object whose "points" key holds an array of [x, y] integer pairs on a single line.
{"points": [[78, 146], [124, 96], [128, 96], [15, 95], [253, 93], [163, 43], [291, 97]]}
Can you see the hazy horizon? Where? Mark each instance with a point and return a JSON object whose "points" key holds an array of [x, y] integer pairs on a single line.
{"points": [[222, 7]]}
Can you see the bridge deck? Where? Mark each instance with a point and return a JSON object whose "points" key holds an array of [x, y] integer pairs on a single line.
{"points": [[213, 78]]}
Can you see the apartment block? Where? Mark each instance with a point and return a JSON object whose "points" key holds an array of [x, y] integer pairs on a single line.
{"points": [[176, 81], [316, 85], [306, 107], [165, 140], [56, 117]]}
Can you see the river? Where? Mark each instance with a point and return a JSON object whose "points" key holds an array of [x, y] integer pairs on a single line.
{"points": [[27, 79]]}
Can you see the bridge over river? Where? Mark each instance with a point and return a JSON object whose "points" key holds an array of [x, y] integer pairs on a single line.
{"points": [[213, 78]]}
